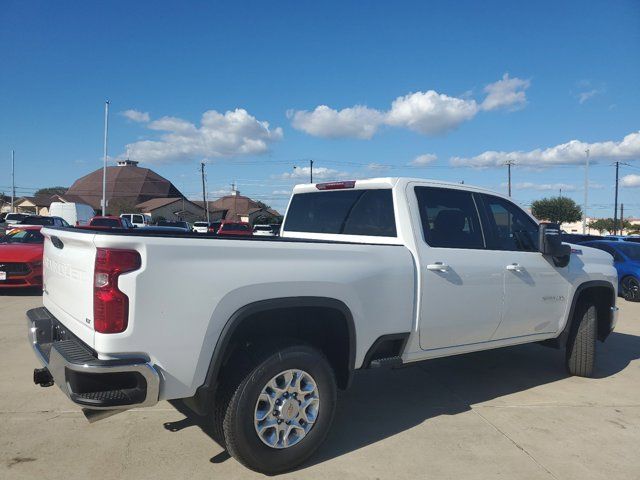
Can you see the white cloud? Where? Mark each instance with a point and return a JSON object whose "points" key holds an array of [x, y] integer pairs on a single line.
{"points": [[423, 160], [355, 122], [428, 113], [223, 192], [281, 192], [570, 153], [566, 187], [136, 116], [320, 173], [506, 93], [219, 135], [584, 96], [631, 181]]}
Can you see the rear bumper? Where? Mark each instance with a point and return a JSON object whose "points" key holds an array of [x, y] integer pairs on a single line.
{"points": [[85, 379]]}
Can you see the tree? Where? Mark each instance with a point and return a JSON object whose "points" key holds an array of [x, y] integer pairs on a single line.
{"points": [[606, 225], [556, 210], [50, 191]]}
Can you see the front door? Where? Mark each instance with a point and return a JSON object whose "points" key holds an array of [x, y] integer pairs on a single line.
{"points": [[461, 282], [536, 291]]}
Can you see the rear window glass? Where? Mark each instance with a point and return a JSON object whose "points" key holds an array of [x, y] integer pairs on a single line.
{"points": [[105, 222], [200, 224], [236, 227], [137, 219], [45, 221], [260, 228], [347, 212]]}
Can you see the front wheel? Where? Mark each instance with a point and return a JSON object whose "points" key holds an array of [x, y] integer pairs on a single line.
{"points": [[630, 287], [581, 345], [281, 410]]}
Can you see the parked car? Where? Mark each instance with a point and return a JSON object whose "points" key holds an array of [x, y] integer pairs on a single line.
{"points": [[201, 227], [184, 226], [242, 229], [366, 274], [579, 237], [109, 221], [21, 257], [137, 219], [626, 259], [263, 230], [43, 221], [13, 218], [77, 214]]}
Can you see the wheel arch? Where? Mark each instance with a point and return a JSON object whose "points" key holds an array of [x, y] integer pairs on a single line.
{"points": [[604, 294], [224, 347]]}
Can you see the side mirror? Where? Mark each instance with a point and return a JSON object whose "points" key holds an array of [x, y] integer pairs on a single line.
{"points": [[550, 242]]}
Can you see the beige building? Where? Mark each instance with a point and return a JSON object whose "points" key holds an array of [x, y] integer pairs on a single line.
{"points": [[576, 227], [238, 208], [172, 209]]}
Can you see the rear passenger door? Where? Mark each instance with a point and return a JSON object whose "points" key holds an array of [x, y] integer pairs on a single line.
{"points": [[536, 291], [461, 281]]}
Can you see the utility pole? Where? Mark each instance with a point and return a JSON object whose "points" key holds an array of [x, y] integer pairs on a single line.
{"points": [[204, 192], [311, 171], [104, 167], [13, 179], [508, 164], [615, 208], [586, 193], [621, 217]]}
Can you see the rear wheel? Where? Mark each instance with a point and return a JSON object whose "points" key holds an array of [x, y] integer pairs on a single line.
{"points": [[630, 289], [280, 410], [581, 345]]}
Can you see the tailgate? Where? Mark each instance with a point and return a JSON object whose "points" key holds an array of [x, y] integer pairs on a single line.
{"points": [[68, 263]]}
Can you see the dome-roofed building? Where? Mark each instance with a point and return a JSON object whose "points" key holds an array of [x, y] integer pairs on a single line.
{"points": [[127, 184]]}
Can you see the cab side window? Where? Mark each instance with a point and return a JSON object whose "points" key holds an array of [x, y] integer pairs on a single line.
{"points": [[449, 218], [511, 228]]}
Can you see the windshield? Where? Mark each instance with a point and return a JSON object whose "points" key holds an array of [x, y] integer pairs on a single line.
{"points": [[201, 224], [262, 228], [105, 222], [23, 236], [15, 216], [46, 221], [630, 250]]}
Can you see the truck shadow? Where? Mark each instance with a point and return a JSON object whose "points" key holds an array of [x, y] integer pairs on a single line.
{"points": [[383, 403], [21, 292]]}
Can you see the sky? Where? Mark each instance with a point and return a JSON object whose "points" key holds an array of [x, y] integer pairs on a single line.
{"points": [[441, 90]]}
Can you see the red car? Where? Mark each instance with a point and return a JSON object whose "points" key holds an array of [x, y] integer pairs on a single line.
{"points": [[21, 257], [236, 228]]}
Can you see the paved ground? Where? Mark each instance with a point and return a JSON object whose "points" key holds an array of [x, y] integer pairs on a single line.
{"points": [[509, 413]]}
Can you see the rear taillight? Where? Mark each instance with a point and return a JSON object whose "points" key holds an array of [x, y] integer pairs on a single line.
{"points": [[211, 229], [110, 305]]}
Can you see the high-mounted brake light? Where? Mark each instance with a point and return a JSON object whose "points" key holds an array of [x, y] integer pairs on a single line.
{"points": [[336, 185], [110, 305]]}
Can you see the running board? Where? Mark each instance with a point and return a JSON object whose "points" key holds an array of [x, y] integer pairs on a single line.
{"points": [[389, 362]]}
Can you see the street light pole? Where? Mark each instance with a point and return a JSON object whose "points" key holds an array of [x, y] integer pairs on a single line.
{"points": [[104, 167], [509, 163], [586, 192], [13, 179], [615, 209], [204, 193], [311, 171]]}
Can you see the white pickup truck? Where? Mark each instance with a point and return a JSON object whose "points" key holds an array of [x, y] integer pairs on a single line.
{"points": [[258, 333]]}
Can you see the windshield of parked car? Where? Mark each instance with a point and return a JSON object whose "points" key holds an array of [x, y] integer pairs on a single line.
{"points": [[630, 250], [262, 228], [22, 236], [236, 227], [105, 222], [15, 216], [45, 221], [200, 224]]}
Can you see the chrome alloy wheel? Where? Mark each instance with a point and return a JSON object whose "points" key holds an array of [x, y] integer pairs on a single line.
{"points": [[287, 409]]}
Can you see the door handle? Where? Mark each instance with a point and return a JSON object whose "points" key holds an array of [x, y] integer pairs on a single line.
{"points": [[515, 267], [438, 267]]}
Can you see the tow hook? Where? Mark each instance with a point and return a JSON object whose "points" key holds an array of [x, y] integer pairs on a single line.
{"points": [[42, 377]]}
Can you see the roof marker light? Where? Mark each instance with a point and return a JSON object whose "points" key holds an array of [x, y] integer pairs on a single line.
{"points": [[336, 185]]}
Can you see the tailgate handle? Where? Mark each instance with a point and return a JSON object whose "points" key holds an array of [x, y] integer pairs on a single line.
{"points": [[57, 242]]}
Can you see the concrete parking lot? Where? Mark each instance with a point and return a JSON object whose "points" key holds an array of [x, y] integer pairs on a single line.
{"points": [[510, 413]]}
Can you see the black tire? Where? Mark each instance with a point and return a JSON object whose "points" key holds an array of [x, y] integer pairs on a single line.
{"points": [[581, 345], [630, 287], [240, 437]]}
